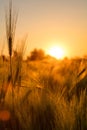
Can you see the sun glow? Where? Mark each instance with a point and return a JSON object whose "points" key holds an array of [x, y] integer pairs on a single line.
{"points": [[56, 52]]}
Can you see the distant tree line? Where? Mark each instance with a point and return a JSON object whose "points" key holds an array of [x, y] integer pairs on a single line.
{"points": [[36, 54]]}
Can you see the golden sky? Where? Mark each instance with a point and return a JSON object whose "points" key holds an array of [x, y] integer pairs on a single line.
{"points": [[50, 23]]}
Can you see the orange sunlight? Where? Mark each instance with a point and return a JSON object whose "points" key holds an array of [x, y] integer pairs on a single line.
{"points": [[57, 52]]}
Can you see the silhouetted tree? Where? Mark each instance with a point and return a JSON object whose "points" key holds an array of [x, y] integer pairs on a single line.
{"points": [[37, 54]]}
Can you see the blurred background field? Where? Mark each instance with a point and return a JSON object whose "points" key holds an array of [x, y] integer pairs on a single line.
{"points": [[49, 94]]}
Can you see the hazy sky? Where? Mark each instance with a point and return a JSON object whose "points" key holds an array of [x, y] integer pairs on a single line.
{"points": [[49, 23]]}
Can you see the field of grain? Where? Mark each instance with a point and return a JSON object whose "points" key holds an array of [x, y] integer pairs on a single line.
{"points": [[45, 94]]}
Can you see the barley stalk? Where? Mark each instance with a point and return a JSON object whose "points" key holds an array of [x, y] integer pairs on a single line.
{"points": [[11, 20]]}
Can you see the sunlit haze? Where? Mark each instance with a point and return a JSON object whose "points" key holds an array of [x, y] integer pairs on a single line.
{"points": [[49, 21], [56, 52]]}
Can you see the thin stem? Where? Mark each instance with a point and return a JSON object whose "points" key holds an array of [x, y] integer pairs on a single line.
{"points": [[12, 84]]}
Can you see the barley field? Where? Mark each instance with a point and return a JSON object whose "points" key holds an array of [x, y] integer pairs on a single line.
{"points": [[45, 94]]}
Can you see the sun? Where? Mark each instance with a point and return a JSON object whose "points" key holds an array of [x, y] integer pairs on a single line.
{"points": [[56, 52]]}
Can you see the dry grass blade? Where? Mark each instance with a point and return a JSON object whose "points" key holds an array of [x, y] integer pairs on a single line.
{"points": [[81, 72]]}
